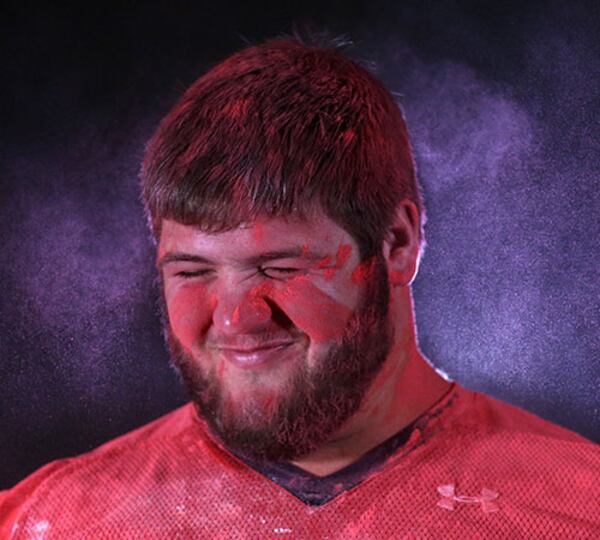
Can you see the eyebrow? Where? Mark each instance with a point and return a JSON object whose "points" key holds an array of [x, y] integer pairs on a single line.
{"points": [[257, 260]]}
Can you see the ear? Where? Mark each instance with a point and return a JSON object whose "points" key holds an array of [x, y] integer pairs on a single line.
{"points": [[401, 246]]}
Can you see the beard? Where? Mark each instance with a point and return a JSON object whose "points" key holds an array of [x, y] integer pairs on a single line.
{"points": [[315, 402]]}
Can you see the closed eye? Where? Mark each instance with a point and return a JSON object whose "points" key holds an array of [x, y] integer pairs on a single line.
{"points": [[268, 272], [191, 274], [274, 270]]}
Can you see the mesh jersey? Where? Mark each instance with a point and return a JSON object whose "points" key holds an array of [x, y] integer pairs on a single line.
{"points": [[473, 467]]}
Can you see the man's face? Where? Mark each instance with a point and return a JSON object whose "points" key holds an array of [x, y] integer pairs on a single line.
{"points": [[277, 329]]}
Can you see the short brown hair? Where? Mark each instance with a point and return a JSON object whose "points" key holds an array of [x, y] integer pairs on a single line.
{"points": [[282, 128]]}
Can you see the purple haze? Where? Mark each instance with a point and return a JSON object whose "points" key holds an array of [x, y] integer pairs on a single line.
{"points": [[507, 150]]}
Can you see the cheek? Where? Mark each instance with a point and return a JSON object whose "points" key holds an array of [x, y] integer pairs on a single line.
{"points": [[190, 310], [364, 271], [312, 310]]}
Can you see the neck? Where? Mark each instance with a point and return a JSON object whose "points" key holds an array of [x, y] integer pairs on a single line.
{"points": [[405, 388]]}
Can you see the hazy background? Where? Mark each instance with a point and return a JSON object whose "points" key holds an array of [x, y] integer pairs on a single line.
{"points": [[503, 106]]}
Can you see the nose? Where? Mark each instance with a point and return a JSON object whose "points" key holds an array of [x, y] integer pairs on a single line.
{"points": [[241, 312]]}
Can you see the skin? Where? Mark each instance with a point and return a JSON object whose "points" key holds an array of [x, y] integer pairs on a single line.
{"points": [[237, 301]]}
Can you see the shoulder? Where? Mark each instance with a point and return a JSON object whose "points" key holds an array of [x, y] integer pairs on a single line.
{"points": [[476, 429], [117, 464], [488, 421], [495, 416], [538, 467], [528, 441]]}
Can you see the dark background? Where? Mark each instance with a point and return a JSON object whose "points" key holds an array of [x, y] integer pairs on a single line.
{"points": [[502, 103]]}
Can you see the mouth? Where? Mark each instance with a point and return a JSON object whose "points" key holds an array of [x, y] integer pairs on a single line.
{"points": [[261, 347], [257, 357]]}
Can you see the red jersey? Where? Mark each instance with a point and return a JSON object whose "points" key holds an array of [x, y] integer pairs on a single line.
{"points": [[471, 467]]}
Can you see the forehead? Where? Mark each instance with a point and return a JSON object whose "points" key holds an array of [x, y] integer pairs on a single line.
{"points": [[317, 234]]}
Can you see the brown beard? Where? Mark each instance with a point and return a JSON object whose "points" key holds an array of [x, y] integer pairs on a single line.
{"points": [[316, 403]]}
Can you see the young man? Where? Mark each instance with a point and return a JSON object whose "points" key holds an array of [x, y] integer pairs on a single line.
{"points": [[282, 194]]}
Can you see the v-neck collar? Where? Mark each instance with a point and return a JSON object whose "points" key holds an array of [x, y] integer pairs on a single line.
{"points": [[316, 490]]}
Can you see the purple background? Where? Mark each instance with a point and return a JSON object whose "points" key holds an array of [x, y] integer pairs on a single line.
{"points": [[503, 107]]}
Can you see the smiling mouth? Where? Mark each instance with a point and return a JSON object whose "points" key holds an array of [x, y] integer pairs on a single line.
{"points": [[257, 357], [262, 347]]}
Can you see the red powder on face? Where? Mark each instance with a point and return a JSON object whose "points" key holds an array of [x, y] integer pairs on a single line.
{"points": [[342, 256], [311, 310], [258, 232], [190, 313], [242, 314], [264, 289], [256, 303], [364, 271], [325, 261]]}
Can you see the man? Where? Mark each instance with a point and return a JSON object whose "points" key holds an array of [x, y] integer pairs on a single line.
{"points": [[282, 194]]}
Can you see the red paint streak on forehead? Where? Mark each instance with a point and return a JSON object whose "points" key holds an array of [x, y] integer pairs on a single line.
{"points": [[258, 232], [312, 310]]}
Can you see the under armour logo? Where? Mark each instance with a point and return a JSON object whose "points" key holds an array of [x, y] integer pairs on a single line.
{"points": [[449, 498]]}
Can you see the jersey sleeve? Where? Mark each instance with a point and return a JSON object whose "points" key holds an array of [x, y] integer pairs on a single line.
{"points": [[14, 501]]}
